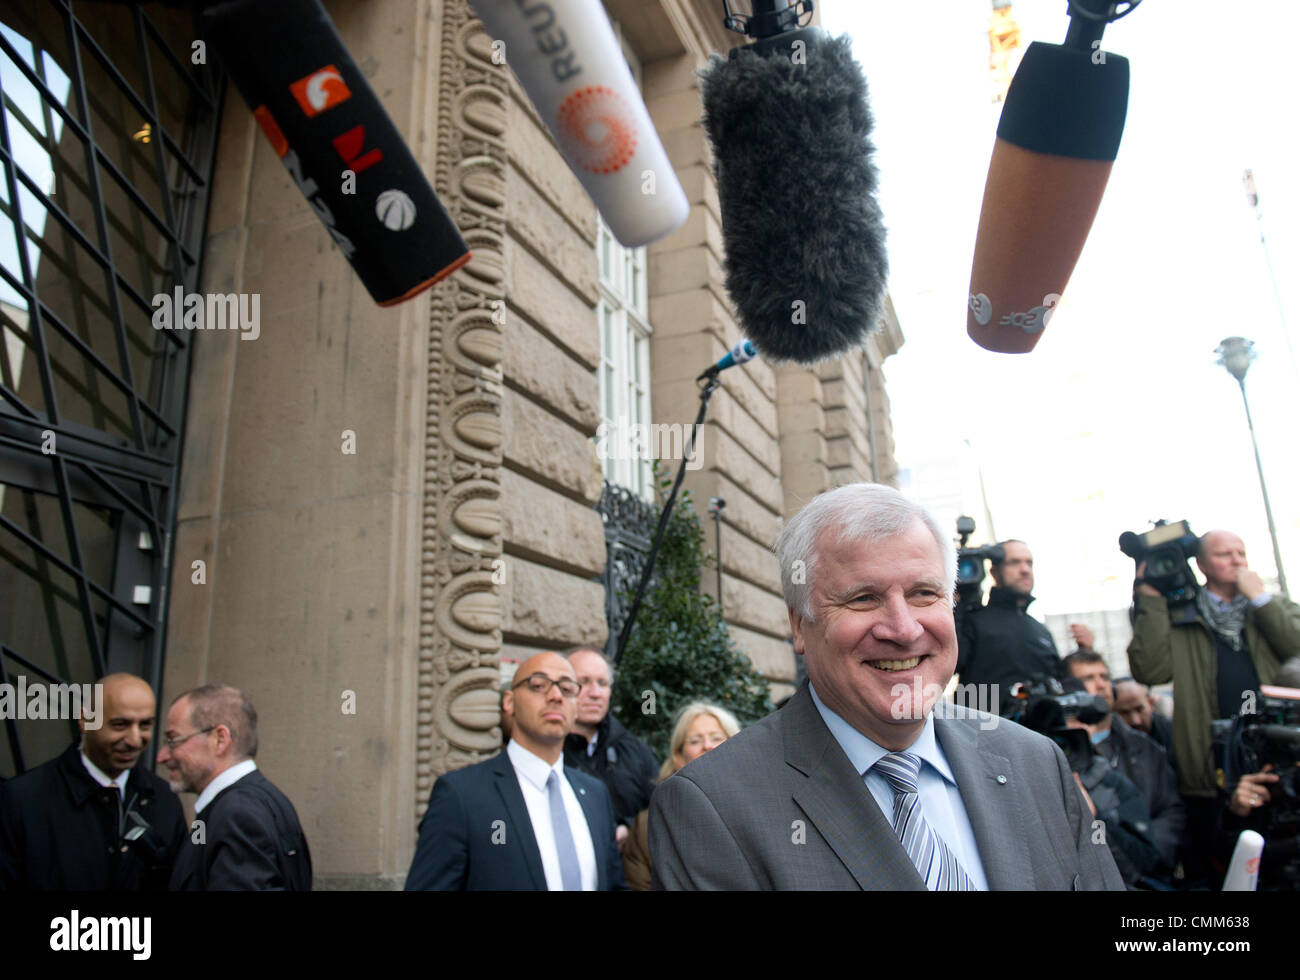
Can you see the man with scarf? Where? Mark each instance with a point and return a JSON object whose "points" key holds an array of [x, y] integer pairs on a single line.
{"points": [[1217, 650]]}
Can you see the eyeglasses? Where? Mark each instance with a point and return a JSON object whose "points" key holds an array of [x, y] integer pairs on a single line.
{"points": [[601, 683], [171, 742], [541, 684], [712, 741]]}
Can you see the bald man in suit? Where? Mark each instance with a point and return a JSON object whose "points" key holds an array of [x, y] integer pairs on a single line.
{"points": [[856, 783]]}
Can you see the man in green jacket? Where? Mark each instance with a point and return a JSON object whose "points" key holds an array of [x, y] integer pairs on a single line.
{"points": [[1217, 650]]}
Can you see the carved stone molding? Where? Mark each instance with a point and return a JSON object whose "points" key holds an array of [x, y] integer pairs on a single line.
{"points": [[460, 565]]}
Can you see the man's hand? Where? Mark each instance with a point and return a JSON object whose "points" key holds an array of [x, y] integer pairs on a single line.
{"points": [[1091, 805], [1252, 792], [1142, 587], [1249, 584], [1083, 637], [620, 836]]}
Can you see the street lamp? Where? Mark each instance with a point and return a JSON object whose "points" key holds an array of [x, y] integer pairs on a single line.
{"points": [[1235, 354]]}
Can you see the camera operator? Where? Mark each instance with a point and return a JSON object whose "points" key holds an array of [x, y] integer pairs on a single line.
{"points": [[1137, 757], [1263, 802], [1111, 796], [1217, 649], [1000, 643]]}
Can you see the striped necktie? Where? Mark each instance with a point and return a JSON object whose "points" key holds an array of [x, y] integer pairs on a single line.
{"points": [[934, 861]]}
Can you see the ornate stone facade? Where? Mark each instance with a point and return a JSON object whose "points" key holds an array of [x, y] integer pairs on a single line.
{"points": [[461, 564]]}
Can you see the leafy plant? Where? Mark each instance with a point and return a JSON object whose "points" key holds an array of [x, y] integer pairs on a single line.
{"points": [[680, 649]]}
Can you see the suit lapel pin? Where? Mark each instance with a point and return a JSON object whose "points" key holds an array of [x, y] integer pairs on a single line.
{"points": [[1002, 780]]}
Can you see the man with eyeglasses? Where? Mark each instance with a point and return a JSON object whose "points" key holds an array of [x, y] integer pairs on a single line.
{"points": [[93, 819], [600, 746], [245, 835], [523, 820]]}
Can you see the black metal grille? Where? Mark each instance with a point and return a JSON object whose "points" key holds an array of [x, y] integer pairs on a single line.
{"points": [[106, 143], [629, 530]]}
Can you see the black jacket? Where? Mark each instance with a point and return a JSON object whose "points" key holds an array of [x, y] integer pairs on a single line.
{"points": [[1000, 643], [1123, 810], [1144, 762], [249, 840], [477, 835], [62, 831], [622, 762]]}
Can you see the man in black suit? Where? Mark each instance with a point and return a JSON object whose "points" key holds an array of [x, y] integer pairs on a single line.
{"points": [[246, 835], [92, 819], [522, 821]]}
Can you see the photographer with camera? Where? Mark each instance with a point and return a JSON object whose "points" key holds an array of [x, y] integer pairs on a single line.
{"points": [[1266, 798], [1000, 643], [1065, 712], [1136, 756], [1217, 644]]}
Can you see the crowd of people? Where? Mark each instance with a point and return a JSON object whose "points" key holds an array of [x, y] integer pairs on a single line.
{"points": [[865, 777]]}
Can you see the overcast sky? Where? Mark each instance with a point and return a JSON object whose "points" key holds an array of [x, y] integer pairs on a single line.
{"points": [[1121, 414]]}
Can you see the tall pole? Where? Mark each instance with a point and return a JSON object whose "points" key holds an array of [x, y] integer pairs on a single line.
{"points": [[1268, 510]]}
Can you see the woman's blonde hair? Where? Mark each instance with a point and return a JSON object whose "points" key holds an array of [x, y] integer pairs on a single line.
{"points": [[685, 717]]}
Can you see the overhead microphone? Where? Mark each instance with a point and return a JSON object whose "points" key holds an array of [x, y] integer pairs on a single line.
{"points": [[571, 65], [788, 119], [339, 145], [1057, 140]]}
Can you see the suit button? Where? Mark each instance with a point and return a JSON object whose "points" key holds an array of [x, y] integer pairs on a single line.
{"points": [[124, 848]]}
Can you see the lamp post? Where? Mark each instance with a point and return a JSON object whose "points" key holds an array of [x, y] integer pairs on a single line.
{"points": [[1235, 354]]}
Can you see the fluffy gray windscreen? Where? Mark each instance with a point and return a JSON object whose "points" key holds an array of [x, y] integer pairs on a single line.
{"points": [[805, 242]]}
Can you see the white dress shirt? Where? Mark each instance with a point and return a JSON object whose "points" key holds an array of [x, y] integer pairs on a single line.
{"points": [[941, 801], [532, 773], [101, 777], [228, 778]]}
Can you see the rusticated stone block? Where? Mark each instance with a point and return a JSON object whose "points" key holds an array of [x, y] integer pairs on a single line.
{"points": [[545, 446], [549, 528], [532, 362], [542, 604], [754, 608]]}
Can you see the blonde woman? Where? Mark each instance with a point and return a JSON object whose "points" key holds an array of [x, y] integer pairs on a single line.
{"points": [[699, 727]]}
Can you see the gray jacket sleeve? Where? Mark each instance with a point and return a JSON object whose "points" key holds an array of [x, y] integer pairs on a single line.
{"points": [[691, 848]]}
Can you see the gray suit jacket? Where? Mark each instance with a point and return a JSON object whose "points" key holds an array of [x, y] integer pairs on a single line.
{"points": [[779, 806]]}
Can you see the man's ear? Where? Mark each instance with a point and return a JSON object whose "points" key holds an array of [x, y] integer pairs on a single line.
{"points": [[796, 629], [224, 741], [508, 704]]}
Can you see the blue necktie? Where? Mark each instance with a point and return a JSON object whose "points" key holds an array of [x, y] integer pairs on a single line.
{"points": [[933, 860], [570, 874]]}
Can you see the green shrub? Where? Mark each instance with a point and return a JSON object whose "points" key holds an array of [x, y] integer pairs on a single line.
{"points": [[680, 648]]}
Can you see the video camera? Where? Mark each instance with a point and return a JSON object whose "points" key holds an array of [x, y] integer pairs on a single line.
{"points": [[1270, 735], [1166, 549], [970, 566], [1044, 706]]}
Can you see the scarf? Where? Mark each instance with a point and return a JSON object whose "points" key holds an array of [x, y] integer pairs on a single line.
{"points": [[1226, 620]]}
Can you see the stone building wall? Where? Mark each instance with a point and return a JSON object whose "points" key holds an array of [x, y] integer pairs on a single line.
{"points": [[462, 531]]}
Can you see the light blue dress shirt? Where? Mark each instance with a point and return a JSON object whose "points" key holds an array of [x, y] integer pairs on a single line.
{"points": [[940, 799]]}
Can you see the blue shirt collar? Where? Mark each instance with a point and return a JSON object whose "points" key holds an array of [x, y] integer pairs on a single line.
{"points": [[863, 753]]}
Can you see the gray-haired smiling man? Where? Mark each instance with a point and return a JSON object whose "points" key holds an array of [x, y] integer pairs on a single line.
{"points": [[857, 783]]}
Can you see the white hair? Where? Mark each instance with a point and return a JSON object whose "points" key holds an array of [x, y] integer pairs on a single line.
{"points": [[855, 512]]}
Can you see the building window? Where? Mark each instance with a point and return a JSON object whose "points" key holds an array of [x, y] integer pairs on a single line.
{"points": [[623, 315]]}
